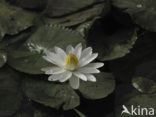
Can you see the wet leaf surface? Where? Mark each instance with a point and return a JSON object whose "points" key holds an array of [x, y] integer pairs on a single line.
{"points": [[104, 86]]}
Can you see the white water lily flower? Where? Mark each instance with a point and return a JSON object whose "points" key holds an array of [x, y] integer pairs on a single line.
{"points": [[73, 64]]}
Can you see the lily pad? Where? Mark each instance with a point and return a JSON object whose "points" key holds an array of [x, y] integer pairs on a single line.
{"points": [[28, 57], [144, 79], [10, 43], [10, 99], [29, 109], [144, 85], [14, 19], [112, 46], [143, 12], [51, 94], [63, 7], [96, 10], [142, 52], [104, 86], [3, 58]]}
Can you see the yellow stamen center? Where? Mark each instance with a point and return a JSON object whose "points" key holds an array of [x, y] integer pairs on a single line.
{"points": [[71, 61]]}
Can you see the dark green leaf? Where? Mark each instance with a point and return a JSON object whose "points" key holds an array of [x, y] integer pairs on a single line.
{"points": [[63, 7], [113, 46], [50, 94], [14, 19], [144, 85], [29, 109], [104, 86], [126, 68], [30, 4], [144, 79], [143, 12], [10, 96], [82, 16]]}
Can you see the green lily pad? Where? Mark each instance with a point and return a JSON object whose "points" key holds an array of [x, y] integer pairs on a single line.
{"points": [[112, 46], [10, 96], [63, 7], [28, 57], [14, 19], [144, 79], [29, 109], [82, 16], [143, 52], [143, 12], [3, 58], [51, 94], [104, 86], [10, 43], [144, 85]]}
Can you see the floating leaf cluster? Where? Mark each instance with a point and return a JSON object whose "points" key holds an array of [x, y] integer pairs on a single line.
{"points": [[123, 32]]}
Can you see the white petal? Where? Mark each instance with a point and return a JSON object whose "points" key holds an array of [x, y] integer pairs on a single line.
{"points": [[60, 52], [87, 60], [66, 77], [69, 49], [49, 59], [80, 75], [46, 69], [54, 58], [74, 82], [54, 77], [85, 52], [53, 70], [78, 50], [91, 77], [95, 65], [62, 77], [88, 70]]}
